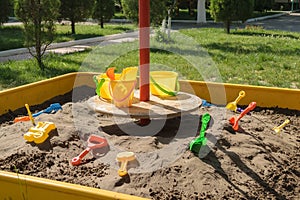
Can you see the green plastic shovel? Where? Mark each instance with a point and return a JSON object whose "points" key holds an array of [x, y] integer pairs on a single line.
{"points": [[196, 144]]}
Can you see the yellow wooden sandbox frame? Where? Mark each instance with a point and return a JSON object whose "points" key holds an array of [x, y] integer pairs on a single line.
{"points": [[14, 186]]}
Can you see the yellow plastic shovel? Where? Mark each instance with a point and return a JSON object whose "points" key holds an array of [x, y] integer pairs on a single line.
{"points": [[233, 105]]}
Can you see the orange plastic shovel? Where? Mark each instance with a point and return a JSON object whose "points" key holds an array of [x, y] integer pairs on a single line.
{"points": [[234, 120]]}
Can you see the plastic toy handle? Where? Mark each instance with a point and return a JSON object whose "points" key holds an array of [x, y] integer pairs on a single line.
{"points": [[127, 95], [123, 171], [53, 107], [171, 93], [110, 72], [21, 119], [77, 160], [98, 84], [241, 110], [241, 95], [29, 114], [250, 107], [278, 128], [205, 120]]}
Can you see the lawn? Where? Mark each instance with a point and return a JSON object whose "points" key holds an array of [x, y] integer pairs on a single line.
{"points": [[12, 37], [246, 56]]}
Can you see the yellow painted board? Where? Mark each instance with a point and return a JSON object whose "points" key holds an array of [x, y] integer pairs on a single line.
{"points": [[16, 186], [222, 93], [38, 92], [216, 93]]}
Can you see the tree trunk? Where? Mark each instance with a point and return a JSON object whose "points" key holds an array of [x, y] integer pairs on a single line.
{"points": [[101, 22], [38, 43], [227, 26], [38, 56], [40, 61], [73, 26]]}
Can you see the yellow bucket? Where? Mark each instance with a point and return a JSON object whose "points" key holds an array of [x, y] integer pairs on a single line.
{"points": [[122, 92], [102, 85], [164, 83]]}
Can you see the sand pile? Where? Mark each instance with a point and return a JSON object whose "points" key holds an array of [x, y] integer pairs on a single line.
{"points": [[253, 163]]}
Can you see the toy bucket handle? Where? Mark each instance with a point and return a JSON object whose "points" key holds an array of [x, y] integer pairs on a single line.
{"points": [[168, 92], [98, 84], [127, 95]]}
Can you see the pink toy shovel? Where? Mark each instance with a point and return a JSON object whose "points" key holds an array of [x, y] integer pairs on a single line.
{"points": [[234, 120], [94, 142]]}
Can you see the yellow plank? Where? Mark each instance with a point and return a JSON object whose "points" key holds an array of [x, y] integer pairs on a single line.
{"points": [[17, 186], [217, 93]]}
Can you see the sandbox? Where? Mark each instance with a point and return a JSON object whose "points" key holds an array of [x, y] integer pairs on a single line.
{"points": [[253, 162]]}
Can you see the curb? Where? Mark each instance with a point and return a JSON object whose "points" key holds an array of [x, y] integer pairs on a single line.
{"points": [[266, 17]]}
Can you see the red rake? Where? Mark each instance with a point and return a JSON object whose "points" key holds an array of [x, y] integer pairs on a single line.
{"points": [[94, 142]]}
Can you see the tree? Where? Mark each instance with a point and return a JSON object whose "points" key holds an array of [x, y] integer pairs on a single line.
{"points": [[230, 10], [119, 7], [5, 10], [76, 10], [263, 5], [158, 10], [104, 10], [186, 4], [38, 17]]}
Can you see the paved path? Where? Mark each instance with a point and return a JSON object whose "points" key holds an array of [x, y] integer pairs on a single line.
{"points": [[70, 47], [289, 22]]}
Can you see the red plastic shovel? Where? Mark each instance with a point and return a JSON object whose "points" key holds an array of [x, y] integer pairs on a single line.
{"points": [[234, 120], [94, 142]]}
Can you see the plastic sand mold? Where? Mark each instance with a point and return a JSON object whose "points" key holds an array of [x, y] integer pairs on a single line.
{"points": [[40, 132]]}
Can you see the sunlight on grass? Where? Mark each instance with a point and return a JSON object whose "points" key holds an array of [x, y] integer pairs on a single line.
{"points": [[12, 36], [254, 57]]}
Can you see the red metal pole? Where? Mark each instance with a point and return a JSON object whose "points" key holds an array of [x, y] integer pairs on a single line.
{"points": [[144, 39]]}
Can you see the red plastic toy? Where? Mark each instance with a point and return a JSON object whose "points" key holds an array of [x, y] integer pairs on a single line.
{"points": [[94, 142], [234, 120]]}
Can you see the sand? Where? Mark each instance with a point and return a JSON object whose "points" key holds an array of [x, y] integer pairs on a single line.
{"points": [[252, 163]]}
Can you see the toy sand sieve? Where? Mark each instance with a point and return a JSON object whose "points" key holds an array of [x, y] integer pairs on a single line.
{"points": [[164, 83], [102, 85]]}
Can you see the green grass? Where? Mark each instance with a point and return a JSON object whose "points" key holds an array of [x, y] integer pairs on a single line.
{"points": [[253, 56], [247, 56], [119, 15], [12, 37], [16, 73]]}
